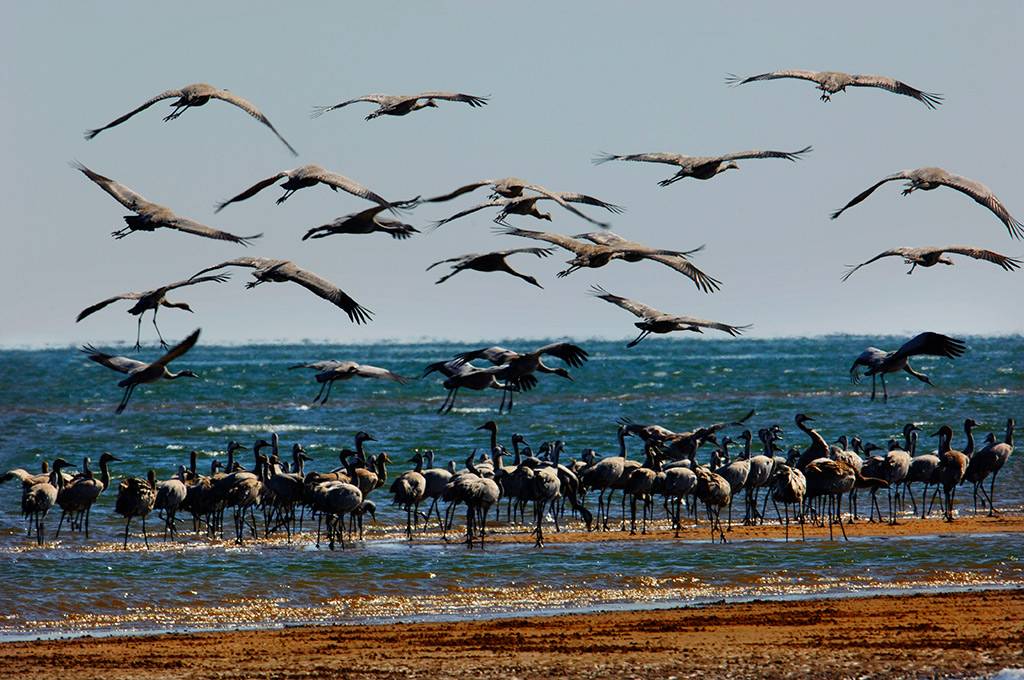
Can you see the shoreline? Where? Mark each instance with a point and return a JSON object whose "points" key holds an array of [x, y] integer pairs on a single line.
{"points": [[383, 540], [891, 636]]}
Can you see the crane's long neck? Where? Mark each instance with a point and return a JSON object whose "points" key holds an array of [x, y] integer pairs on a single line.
{"points": [[622, 442], [969, 449], [816, 439], [920, 376], [1009, 432], [104, 474]]}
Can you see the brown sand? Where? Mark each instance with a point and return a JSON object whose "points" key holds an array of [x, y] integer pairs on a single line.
{"points": [[911, 636], [907, 636], [969, 524]]}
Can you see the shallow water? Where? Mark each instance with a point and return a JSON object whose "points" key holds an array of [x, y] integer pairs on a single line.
{"points": [[92, 585]]}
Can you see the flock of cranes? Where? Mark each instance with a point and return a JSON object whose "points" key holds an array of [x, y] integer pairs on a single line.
{"points": [[669, 468], [810, 481], [511, 196]]}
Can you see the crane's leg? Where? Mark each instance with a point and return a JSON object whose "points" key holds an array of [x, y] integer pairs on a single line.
{"points": [[138, 332], [59, 524], [643, 334], [316, 399], [162, 342], [330, 384], [449, 401], [178, 110], [124, 399], [991, 491]]}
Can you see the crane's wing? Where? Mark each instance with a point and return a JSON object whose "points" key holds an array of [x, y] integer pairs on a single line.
{"points": [[218, 278], [251, 191], [470, 99], [931, 343], [571, 354], [704, 282], [89, 134], [892, 251], [869, 358], [245, 261], [378, 99], [193, 227], [120, 192], [458, 192], [246, 106], [563, 198], [120, 364], [903, 174], [706, 323], [467, 211], [566, 242], [573, 197], [653, 157], [983, 195], [447, 368], [380, 374], [929, 99], [460, 258], [328, 291], [609, 238], [178, 350], [788, 155], [319, 366], [337, 181], [539, 252], [1007, 263], [636, 308], [136, 296], [785, 73], [100, 305], [496, 355]]}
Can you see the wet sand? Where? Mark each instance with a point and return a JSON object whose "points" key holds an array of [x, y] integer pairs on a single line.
{"points": [[932, 526], [900, 636], [910, 636]]}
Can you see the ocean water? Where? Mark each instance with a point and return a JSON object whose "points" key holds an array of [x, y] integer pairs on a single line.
{"points": [[54, 403]]}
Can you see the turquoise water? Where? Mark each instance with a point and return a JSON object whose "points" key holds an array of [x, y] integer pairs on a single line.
{"points": [[56, 403]]}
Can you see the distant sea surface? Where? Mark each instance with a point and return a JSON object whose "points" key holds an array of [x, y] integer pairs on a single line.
{"points": [[55, 402]]}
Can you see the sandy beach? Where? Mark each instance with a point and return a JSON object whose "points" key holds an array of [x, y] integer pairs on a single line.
{"points": [[932, 635], [912, 636]]}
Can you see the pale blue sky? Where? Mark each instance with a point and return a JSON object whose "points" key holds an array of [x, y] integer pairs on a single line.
{"points": [[565, 80]]}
